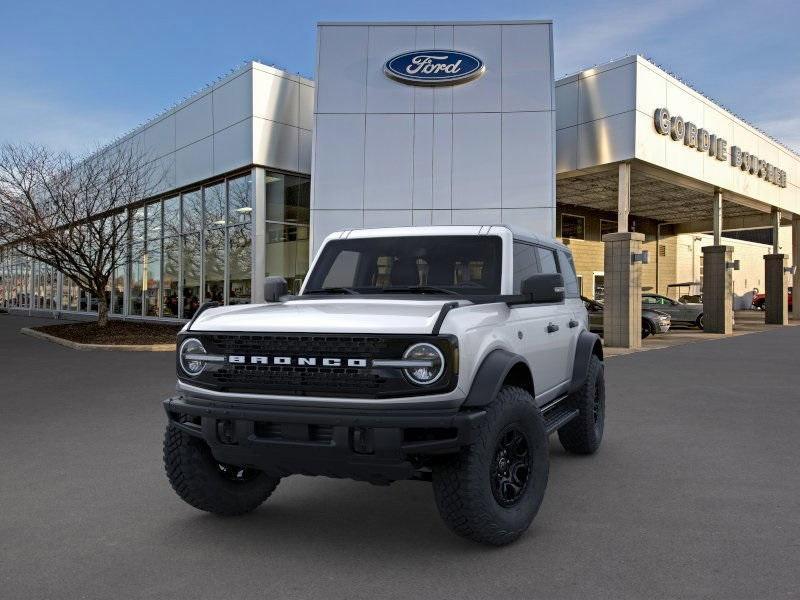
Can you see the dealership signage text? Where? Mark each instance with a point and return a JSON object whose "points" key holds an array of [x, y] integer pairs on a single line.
{"points": [[706, 142]]}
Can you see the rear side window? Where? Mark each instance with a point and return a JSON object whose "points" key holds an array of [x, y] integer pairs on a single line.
{"points": [[525, 264], [571, 288]]}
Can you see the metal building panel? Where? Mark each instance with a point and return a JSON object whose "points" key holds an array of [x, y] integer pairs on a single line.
{"points": [[485, 216], [651, 89], [476, 161], [325, 222], [482, 94], [423, 161], [159, 138], [276, 98], [233, 147], [540, 221], [387, 218], [194, 162], [567, 149], [442, 161], [527, 165], [423, 96], [443, 96], [341, 80], [567, 105], [606, 140], [385, 95], [607, 93], [306, 108], [339, 162], [275, 145], [194, 121], [389, 170], [305, 150], [526, 67], [233, 100]]}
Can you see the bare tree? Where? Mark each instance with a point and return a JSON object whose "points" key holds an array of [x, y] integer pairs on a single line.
{"points": [[70, 213]]}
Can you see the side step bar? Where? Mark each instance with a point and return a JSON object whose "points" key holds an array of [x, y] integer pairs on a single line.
{"points": [[556, 415]]}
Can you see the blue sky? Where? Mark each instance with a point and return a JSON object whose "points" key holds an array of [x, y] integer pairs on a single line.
{"points": [[75, 74]]}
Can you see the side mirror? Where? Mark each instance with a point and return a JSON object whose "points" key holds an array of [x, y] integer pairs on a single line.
{"points": [[274, 288], [544, 288]]}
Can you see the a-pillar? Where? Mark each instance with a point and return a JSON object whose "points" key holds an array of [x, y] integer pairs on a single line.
{"points": [[622, 313], [717, 289], [796, 263]]}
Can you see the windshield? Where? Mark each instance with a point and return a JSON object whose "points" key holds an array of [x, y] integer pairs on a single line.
{"points": [[469, 265]]}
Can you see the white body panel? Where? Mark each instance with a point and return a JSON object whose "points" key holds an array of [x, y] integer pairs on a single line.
{"points": [[479, 328]]}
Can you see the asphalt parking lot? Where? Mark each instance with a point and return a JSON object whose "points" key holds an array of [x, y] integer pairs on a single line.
{"points": [[695, 494]]}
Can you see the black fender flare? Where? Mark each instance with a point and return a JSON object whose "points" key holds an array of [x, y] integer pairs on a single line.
{"points": [[490, 376], [588, 344]]}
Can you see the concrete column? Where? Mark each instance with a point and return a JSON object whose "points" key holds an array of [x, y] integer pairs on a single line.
{"points": [[776, 231], [796, 263], [622, 315], [258, 228], [777, 312], [717, 289], [623, 197], [717, 217]]}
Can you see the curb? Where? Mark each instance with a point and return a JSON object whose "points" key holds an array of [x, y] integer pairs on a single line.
{"points": [[78, 346]]}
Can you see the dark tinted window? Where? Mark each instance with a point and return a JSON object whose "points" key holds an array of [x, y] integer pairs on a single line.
{"points": [[525, 264], [466, 264], [547, 260], [571, 287]]}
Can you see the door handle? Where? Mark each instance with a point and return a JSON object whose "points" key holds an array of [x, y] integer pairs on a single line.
{"points": [[573, 323], [552, 328]]}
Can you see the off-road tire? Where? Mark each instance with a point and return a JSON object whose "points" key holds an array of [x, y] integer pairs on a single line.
{"points": [[647, 329], [584, 433], [462, 483], [699, 322], [200, 481]]}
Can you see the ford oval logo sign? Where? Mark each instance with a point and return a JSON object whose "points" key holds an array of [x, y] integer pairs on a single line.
{"points": [[434, 67]]}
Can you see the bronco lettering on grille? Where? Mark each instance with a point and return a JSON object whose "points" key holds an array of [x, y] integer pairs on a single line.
{"points": [[298, 361]]}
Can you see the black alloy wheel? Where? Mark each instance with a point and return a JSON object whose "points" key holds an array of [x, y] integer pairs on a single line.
{"points": [[511, 466]]}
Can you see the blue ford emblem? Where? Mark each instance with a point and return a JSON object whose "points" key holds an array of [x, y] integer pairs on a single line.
{"points": [[434, 67]]}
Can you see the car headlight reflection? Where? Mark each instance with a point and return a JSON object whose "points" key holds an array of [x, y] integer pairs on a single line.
{"points": [[429, 365]]}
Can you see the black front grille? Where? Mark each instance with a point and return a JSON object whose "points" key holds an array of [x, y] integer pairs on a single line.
{"points": [[318, 380]]}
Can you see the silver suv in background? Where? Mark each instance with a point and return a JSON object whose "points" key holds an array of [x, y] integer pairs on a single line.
{"points": [[653, 321]]}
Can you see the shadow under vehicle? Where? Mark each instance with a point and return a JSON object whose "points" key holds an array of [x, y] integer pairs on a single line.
{"points": [[653, 321]]}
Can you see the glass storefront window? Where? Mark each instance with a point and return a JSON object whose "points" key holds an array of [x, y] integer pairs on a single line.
{"points": [[214, 265], [239, 264], [215, 205], [154, 220], [170, 276], [119, 290], [287, 253], [137, 225], [239, 208], [135, 282], [152, 278], [192, 211], [191, 274], [172, 216]]}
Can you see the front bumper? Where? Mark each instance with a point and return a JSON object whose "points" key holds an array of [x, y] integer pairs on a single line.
{"points": [[663, 326], [376, 445]]}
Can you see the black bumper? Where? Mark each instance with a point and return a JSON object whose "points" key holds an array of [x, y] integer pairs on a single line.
{"points": [[377, 446]]}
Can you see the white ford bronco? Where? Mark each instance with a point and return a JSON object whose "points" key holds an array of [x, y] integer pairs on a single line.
{"points": [[442, 354]]}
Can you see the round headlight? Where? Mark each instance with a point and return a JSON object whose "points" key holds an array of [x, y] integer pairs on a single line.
{"points": [[188, 355], [431, 364]]}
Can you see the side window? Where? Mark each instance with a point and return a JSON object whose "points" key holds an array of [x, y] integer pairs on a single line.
{"points": [[547, 260], [649, 300], [525, 264], [343, 270], [570, 278]]}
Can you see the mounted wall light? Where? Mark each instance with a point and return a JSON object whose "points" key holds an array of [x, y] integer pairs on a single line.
{"points": [[642, 257], [733, 265], [791, 270]]}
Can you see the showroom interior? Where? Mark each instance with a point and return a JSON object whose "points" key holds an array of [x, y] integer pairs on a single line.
{"points": [[622, 155]]}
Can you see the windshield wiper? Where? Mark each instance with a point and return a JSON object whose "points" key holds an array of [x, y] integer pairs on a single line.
{"points": [[419, 289], [331, 290]]}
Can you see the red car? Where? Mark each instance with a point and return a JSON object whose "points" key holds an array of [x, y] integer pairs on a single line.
{"points": [[760, 300]]}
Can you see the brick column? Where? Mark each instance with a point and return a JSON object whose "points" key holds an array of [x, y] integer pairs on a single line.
{"points": [[777, 312], [717, 290], [622, 312]]}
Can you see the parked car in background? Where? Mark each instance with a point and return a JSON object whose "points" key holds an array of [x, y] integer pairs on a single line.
{"points": [[653, 321], [681, 313], [760, 300]]}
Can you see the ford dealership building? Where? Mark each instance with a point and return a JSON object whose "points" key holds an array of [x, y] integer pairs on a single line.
{"points": [[450, 123]]}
